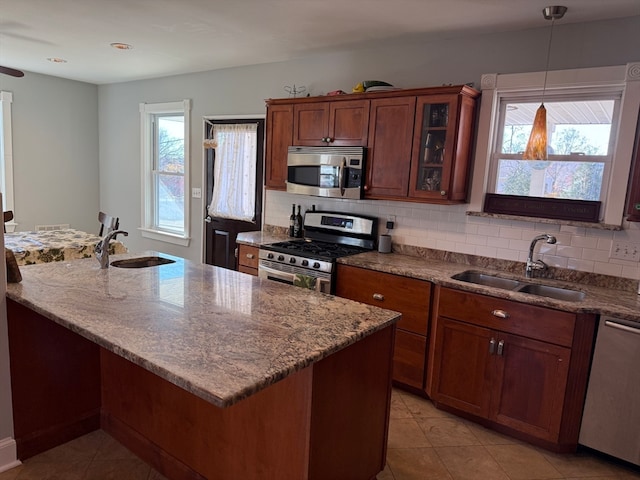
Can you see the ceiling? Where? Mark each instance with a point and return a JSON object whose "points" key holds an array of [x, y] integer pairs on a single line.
{"points": [[172, 37]]}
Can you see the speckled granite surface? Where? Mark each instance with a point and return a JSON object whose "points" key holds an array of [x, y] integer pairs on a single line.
{"points": [[604, 294], [217, 333]]}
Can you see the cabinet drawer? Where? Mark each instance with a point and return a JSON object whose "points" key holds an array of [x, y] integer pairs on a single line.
{"points": [[247, 256], [530, 321], [409, 358], [409, 296]]}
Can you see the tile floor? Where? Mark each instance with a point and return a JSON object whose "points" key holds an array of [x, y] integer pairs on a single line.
{"points": [[424, 444]]}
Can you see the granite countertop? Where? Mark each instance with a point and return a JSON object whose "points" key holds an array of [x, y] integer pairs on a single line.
{"points": [[261, 237], [598, 299], [219, 334]]}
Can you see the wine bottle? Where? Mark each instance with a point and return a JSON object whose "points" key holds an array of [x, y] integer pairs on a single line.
{"points": [[298, 224], [292, 221]]}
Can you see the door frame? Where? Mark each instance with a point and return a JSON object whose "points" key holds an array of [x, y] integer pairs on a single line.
{"points": [[204, 193]]}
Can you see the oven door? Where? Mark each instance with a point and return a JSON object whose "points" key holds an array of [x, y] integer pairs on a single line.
{"points": [[298, 277]]}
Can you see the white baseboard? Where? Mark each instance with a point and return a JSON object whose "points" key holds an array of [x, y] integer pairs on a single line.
{"points": [[8, 454]]}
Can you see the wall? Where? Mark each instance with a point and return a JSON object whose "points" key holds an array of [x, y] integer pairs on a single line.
{"points": [[55, 150], [408, 63]]}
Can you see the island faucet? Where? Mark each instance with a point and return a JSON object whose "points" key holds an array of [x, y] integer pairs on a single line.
{"points": [[537, 264], [102, 247]]}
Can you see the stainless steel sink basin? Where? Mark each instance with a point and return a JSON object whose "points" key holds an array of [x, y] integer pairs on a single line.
{"points": [[552, 292], [486, 280], [141, 262]]}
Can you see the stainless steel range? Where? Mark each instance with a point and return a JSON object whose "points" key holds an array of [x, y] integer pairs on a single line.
{"points": [[310, 262]]}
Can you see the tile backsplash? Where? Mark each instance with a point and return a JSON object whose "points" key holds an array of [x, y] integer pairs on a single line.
{"points": [[449, 228]]}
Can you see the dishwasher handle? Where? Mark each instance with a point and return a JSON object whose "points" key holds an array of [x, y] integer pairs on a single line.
{"points": [[626, 326]]}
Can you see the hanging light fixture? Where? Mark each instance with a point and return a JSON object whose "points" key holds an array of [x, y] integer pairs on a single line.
{"points": [[537, 144]]}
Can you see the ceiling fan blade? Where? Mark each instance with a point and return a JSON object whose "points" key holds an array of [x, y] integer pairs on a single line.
{"points": [[11, 71]]}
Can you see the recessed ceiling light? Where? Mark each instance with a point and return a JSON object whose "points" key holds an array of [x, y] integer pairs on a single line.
{"points": [[121, 46], [57, 60]]}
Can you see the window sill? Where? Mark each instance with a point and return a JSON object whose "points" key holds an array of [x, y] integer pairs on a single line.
{"points": [[551, 221], [165, 237]]}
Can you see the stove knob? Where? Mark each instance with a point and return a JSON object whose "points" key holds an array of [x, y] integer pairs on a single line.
{"points": [[316, 265], [305, 263], [292, 260], [281, 258], [269, 255]]}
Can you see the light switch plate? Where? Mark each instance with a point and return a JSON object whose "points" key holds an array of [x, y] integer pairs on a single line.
{"points": [[625, 251], [196, 193]]}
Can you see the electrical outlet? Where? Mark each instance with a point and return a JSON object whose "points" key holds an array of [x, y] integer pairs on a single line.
{"points": [[391, 222], [196, 193], [625, 251]]}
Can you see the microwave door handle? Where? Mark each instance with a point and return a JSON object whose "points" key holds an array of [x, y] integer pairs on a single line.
{"points": [[342, 167]]}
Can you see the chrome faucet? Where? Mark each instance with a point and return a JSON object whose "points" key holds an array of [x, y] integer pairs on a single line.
{"points": [[102, 247], [537, 264]]}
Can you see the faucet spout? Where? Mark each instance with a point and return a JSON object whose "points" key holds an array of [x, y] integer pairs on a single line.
{"points": [[102, 247], [537, 264]]}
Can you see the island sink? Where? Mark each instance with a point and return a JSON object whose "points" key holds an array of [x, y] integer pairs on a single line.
{"points": [[141, 262], [557, 293]]}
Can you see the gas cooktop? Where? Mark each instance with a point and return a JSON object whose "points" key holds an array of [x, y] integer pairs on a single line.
{"points": [[314, 249]]}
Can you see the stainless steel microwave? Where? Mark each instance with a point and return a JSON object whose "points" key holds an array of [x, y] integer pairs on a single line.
{"points": [[326, 171]]}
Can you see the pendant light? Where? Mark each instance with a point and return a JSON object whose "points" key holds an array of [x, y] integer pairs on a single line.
{"points": [[537, 144]]}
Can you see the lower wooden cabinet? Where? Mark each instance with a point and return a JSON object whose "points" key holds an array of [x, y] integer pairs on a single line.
{"points": [[409, 296], [248, 259], [523, 368]]}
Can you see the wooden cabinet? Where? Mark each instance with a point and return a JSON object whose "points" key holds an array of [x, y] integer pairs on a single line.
{"points": [[389, 147], [331, 123], [524, 368], [248, 259], [418, 140], [409, 296], [279, 138], [633, 191]]}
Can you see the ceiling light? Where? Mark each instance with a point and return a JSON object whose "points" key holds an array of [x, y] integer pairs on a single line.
{"points": [[57, 60], [121, 46], [537, 144]]}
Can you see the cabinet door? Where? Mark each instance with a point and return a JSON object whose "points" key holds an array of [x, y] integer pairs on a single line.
{"points": [[348, 123], [388, 161], [441, 148], [462, 366], [311, 123], [529, 386], [279, 138], [409, 358]]}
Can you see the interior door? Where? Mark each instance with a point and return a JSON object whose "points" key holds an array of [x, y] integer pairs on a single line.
{"points": [[226, 182]]}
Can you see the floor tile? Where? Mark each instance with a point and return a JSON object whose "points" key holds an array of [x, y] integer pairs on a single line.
{"points": [[422, 407], [127, 469], [406, 433], [521, 462], [54, 470], [416, 464], [581, 465], [470, 463], [398, 407], [386, 474], [447, 432]]}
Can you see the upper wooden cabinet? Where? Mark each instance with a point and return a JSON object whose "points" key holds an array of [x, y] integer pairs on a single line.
{"points": [[418, 140], [340, 124]]}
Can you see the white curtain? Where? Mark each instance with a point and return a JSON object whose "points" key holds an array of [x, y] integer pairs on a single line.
{"points": [[234, 174]]}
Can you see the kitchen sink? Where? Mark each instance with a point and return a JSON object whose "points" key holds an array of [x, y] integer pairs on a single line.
{"points": [[141, 262], [472, 276], [486, 280], [552, 292]]}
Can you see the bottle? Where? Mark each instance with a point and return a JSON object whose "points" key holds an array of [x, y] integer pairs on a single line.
{"points": [[298, 225], [292, 220]]}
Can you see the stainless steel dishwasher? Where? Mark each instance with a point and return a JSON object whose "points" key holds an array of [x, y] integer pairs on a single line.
{"points": [[611, 418]]}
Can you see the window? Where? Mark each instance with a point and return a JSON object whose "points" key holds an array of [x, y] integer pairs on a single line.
{"points": [[165, 154], [590, 125], [6, 155]]}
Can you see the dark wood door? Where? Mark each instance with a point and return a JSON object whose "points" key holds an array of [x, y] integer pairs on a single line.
{"points": [[389, 147], [462, 369], [531, 402], [221, 233], [279, 139]]}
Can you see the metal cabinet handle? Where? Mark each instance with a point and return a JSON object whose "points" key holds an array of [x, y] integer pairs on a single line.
{"points": [[250, 255], [443, 192], [492, 346], [500, 314], [378, 296], [500, 347]]}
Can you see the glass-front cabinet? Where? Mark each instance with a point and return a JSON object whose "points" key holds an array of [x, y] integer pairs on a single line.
{"points": [[440, 154]]}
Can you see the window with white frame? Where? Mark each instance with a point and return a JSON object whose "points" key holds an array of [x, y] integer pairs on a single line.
{"points": [[6, 154], [165, 154], [591, 121]]}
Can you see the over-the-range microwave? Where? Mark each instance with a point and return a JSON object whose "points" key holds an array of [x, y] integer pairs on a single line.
{"points": [[326, 171]]}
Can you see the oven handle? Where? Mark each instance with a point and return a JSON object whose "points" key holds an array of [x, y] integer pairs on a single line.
{"points": [[343, 167]]}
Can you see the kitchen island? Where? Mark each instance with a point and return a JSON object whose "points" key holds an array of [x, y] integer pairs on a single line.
{"points": [[202, 372]]}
